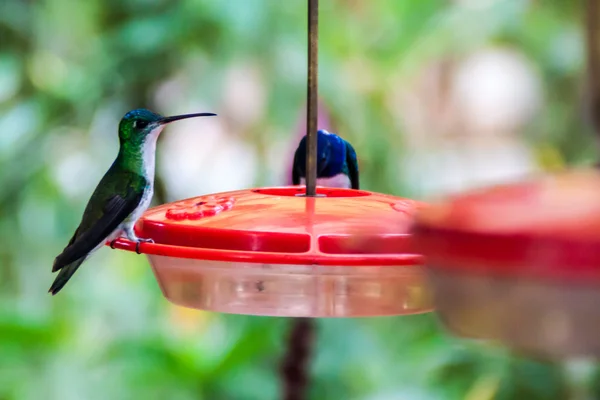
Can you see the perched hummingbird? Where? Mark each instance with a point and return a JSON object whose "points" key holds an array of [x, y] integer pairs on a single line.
{"points": [[122, 195], [337, 165]]}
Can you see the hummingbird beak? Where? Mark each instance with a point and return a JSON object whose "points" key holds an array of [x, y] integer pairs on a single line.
{"points": [[167, 120]]}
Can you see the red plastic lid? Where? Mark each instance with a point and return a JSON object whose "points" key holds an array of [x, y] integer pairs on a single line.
{"points": [[279, 225], [546, 227]]}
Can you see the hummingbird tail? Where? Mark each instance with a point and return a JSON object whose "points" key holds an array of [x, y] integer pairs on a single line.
{"points": [[64, 275]]}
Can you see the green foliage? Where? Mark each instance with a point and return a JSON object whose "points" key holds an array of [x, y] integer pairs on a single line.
{"points": [[68, 72]]}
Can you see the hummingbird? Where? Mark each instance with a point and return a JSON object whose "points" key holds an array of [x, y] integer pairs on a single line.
{"points": [[122, 195], [337, 164]]}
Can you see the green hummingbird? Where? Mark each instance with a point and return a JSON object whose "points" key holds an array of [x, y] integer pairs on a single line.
{"points": [[122, 195]]}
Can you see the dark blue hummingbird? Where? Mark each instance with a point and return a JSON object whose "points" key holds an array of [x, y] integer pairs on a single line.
{"points": [[337, 164]]}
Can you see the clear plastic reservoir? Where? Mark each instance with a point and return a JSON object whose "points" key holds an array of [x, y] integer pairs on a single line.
{"points": [[292, 290]]}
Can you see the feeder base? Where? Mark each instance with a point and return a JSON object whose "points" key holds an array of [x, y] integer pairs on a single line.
{"points": [[547, 318], [292, 290]]}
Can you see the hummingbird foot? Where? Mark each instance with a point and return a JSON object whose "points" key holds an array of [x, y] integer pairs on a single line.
{"points": [[130, 234], [112, 243], [140, 240]]}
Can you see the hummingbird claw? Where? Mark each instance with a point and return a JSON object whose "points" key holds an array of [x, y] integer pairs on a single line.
{"points": [[140, 240], [112, 243]]}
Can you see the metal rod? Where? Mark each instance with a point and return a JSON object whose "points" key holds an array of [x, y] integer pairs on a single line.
{"points": [[295, 363], [312, 90]]}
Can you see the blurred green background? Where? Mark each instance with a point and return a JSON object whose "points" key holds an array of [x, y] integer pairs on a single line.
{"points": [[435, 95]]}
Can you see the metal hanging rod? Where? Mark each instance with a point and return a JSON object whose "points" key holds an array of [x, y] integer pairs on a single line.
{"points": [[312, 90]]}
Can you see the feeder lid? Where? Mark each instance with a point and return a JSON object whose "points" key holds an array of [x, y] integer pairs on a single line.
{"points": [[547, 227], [279, 225]]}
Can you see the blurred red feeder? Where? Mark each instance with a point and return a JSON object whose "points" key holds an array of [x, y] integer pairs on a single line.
{"points": [[519, 263], [272, 251]]}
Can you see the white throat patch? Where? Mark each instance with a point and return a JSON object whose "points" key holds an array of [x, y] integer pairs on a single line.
{"points": [[149, 153], [341, 181]]}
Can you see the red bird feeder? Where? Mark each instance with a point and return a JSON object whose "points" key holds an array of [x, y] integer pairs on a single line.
{"points": [[519, 264], [289, 251], [273, 251]]}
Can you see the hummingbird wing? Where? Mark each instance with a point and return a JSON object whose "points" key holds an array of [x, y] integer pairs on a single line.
{"points": [[352, 163], [117, 196]]}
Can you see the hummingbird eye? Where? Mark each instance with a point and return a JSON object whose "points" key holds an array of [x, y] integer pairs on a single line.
{"points": [[140, 124]]}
